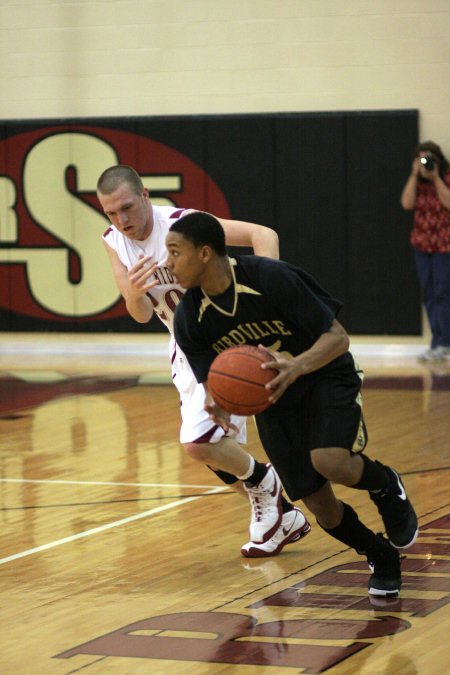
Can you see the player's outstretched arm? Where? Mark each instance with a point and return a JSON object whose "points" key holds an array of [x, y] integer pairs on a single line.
{"points": [[134, 284], [262, 239]]}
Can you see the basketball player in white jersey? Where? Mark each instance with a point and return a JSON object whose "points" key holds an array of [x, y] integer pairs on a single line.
{"points": [[135, 243]]}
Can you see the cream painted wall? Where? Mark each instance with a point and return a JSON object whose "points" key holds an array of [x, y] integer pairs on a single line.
{"points": [[78, 58]]}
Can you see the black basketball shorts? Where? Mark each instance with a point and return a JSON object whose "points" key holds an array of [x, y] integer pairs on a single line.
{"points": [[327, 414]]}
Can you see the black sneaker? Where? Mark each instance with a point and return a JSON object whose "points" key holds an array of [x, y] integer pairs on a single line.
{"points": [[398, 515], [384, 562]]}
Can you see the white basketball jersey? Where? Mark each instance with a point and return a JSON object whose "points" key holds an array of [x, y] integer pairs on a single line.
{"points": [[167, 294], [196, 424]]}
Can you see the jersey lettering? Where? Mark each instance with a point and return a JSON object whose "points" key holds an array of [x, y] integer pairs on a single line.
{"points": [[237, 337], [164, 275], [165, 309], [279, 325], [270, 327], [253, 330], [245, 330]]}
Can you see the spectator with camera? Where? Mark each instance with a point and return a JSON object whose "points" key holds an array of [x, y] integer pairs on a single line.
{"points": [[427, 192]]}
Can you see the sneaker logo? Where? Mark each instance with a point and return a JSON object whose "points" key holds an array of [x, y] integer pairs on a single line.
{"points": [[273, 492], [286, 530], [402, 493]]}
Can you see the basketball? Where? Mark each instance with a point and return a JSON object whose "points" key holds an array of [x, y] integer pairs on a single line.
{"points": [[237, 382]]}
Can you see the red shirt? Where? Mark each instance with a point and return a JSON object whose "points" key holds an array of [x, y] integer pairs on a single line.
{"points": [[431, 229]]}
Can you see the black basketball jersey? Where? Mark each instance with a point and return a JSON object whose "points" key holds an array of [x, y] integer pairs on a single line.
{"points": [[270, 302]]}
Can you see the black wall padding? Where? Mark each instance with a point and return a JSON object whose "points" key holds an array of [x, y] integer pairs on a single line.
{"points": [[328, 182]]}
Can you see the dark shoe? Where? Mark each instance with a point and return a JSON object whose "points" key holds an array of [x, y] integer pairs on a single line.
{"points": [[395, 509], [384, 562]]}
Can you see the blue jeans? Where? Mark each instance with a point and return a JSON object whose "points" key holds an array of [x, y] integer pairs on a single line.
{"points": [[433, 270]]}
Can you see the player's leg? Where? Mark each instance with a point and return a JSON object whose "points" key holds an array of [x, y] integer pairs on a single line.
{"points": [[339, 438], [383, 483], [259, 486], [260, 481], [293, 527], [207, 443], [283, 437], [341, 522], [197, 430], [229, 479], [287, 441]]}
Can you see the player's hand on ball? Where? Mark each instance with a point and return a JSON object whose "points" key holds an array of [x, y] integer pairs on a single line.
{"points": [[286, 373]]}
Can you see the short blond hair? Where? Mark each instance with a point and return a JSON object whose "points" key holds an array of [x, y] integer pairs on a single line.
{"points": [[111, 178]]}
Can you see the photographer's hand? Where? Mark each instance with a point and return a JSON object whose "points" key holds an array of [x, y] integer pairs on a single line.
{"points": [[415, 167], [429, 174]]}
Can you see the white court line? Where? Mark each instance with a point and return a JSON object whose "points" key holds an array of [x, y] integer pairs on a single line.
{"points": [[109, 526], [91, 482]]}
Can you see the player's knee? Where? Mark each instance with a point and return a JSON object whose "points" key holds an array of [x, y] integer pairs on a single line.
{"points": [[320, 461], [197, 451], [330, 463]]}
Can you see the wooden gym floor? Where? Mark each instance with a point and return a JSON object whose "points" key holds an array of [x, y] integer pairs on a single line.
{"points": [[119, 555]]}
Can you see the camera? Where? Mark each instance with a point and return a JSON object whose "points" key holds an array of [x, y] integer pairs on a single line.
{"points": [[428, 162]]}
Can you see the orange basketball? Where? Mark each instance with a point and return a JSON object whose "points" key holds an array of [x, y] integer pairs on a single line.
{"points": [[237, 382]]}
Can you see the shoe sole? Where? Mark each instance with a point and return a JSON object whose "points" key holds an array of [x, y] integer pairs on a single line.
{"points": [[408, 545], [378, 592], [302, 532], [291, 539]]}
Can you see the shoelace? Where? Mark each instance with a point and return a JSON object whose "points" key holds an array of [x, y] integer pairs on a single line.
{"points": [[259, 498], [385, 560]]}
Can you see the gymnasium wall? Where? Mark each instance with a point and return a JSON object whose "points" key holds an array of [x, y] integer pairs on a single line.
{"points": [[327, 96]]}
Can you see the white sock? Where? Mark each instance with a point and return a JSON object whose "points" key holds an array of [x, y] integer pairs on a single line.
{"points": [[250, 470]]}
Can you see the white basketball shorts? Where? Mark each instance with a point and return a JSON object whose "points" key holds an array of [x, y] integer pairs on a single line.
{"points": [[196, 427]]}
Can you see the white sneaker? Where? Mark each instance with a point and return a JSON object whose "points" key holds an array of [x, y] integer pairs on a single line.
{"points": [[265, 499], [436, 354], [294, 526]]}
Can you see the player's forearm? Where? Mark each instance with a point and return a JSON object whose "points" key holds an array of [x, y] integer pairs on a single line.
{"points": [[140, 308], [262, 239], [265, 242], [328, 347]]}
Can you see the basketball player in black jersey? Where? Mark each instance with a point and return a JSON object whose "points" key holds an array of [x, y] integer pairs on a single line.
{"points": [[313, 432]]}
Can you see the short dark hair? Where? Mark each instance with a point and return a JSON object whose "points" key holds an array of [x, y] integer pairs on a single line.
{"points": [[111, 178], [202, 229]]}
